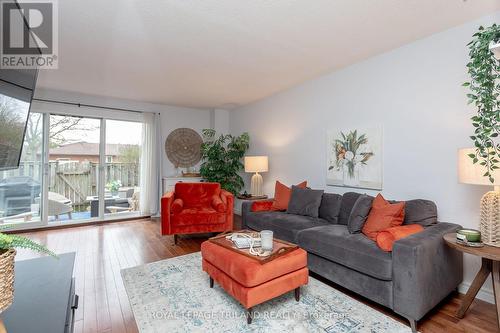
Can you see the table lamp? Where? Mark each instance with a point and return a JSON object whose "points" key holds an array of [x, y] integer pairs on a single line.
{"points": [[470, 173], [256, 164]]}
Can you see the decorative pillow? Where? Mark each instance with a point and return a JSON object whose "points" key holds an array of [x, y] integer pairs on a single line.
{"points": [[305, 201], [261, 206], [217, 204], [282, 195], [330, 207], [387, 237], [177, 206], [348, 201], [419, 211], [359, 213], [383, 215]]}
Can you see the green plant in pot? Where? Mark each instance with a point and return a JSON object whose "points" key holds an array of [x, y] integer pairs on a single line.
{"points": [[222, 157], [8, 245], [114, 186], [484, 86]]}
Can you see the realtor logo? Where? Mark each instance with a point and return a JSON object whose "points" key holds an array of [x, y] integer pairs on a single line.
{"points": [[28, 34]]}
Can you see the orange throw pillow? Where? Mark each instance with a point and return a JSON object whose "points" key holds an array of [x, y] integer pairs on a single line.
{"points": [[282, 194], [387, 237], [383, 215], [262, 206]]}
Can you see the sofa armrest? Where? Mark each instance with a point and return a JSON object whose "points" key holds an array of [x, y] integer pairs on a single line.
{"points": [[246, 208], [425, 270], [228, 199]]}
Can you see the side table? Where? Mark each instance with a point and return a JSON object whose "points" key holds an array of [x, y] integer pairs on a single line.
{"points": [[490, 256]]}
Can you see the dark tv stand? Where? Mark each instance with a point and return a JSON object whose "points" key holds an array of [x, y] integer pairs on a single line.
{"points": [[44, 296]]}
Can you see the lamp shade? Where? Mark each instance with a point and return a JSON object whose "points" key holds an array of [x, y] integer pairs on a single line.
{"points": [[256, 164], [470, 173]]}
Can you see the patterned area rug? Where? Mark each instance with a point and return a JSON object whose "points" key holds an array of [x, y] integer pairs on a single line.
{"points": [[173, 295]]}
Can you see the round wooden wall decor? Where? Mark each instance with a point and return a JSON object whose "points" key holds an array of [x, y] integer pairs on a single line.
{"points": [[183, 147]]}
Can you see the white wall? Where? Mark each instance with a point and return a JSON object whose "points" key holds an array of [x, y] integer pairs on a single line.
{"points": [[414, 92]]}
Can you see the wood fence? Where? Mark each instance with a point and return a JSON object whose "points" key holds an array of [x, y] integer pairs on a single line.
{"points": [[78, 180]]}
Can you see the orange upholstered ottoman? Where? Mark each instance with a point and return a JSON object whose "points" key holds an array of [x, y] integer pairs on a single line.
{"points": [[251, 282]]}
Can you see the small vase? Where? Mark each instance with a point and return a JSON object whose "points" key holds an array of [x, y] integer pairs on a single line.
{"points": [[6, 278]]}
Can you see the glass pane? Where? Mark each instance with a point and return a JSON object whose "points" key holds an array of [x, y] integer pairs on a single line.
{"points": [[73, 168], [123, 156], [20, 189]]}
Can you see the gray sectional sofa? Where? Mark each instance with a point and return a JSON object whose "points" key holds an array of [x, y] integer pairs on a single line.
{"points": [[415, 277]]}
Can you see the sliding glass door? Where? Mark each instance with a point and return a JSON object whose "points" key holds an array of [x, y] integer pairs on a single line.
{"points": [[123, 161], [73, 168], [21, 190]]}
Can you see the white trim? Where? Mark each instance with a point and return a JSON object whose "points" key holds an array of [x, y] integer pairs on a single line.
{"points": [[44, 216], [101, 175]]}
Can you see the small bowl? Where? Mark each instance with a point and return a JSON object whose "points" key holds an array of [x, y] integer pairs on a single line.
{"points": [[470, 235]]}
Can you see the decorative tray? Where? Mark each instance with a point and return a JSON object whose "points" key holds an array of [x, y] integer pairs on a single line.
{"points": [[280, 247]]}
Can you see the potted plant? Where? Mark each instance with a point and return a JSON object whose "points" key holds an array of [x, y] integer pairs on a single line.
{"points": [[222, 159], [484, 85], [8, 245], [113, 187]]}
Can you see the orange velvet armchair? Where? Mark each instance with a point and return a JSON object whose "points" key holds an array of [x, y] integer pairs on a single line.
{"points": [[196, 208]]}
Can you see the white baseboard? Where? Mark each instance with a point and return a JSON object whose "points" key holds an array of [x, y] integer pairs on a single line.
{"points": [[483, 294]]}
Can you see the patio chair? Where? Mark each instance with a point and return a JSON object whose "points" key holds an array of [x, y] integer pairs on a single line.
{"points": [[59, 205]]}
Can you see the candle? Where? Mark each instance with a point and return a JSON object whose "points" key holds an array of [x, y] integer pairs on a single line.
{"points": [[266, 238]]}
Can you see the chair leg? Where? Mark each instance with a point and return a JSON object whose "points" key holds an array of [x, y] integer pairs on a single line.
{"points": [[175, 239], [297, 294], [211, 282], [249, 316], [70, 215]]}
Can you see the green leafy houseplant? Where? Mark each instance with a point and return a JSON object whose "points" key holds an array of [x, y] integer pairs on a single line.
{"points": [[8, 241], [484, 71], [222, 159]]}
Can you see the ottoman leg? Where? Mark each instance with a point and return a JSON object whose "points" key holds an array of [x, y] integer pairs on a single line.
{"points": [[249, 315], [211, 282], [297, 294]]}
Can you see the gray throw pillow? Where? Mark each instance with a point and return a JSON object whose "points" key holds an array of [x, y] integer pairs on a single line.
{"points": [[419, 211], [330, 207], [348, 201], [305, 202], [359, 213]]}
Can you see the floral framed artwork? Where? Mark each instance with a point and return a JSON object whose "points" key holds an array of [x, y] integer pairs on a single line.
{"points": [[354, 158]]}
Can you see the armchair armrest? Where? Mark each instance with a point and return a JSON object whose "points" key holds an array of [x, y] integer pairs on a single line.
{"points": [[166, 203], [425, 270], [228, 199]]}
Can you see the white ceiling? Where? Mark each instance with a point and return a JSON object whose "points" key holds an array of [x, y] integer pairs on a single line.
{"points": [[225, 53]]}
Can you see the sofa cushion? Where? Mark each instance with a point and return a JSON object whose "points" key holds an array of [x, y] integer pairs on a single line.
{"points": [[359, 213], [196, 216], [335, 243], [282, 195], [304, 201], [383, 215], [348, 201], [285, 226], [419, 211], [194, 194], [330, 207]]}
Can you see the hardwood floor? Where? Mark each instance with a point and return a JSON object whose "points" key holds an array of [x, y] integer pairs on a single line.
{"points": [[103, 250]]}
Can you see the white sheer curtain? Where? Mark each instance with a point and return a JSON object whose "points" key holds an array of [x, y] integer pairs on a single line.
{"points": [[150, 181]]}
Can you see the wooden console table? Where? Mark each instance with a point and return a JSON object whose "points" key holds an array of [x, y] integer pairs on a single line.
{"points": [[490, 256]]}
